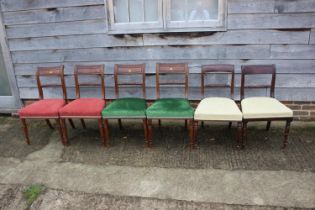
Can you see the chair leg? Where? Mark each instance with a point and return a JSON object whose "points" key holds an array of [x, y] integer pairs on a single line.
{"points": [[71, 123], [60, 130], [49, 124], [244, 134], [239, 137], [286, 133], [64, 131], [145, 127], [230, 125], [160, 123], [202, 124], [191, 134], [149, 122], [195, 124], [101, 129], [106, 132], [268, 125], [25, 130], [83, 123], [120, 124], [186, 124]]}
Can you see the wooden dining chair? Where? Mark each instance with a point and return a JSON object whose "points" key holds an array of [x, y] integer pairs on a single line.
{"points": [[127, 108], [85, 108], [171, 108], [263, 108], [218, 109], [45, 108]]}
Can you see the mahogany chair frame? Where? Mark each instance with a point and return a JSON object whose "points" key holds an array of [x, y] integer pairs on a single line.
{"points": [[86, 70], [262, 70], [57, 71], [172, 68], [129, 69], [219, 69]]}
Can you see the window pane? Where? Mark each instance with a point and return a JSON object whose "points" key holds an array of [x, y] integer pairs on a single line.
{"points": [[194, 10], [136, 10], [121, 12], [178, 8], [4, 82], [151, 10], [202, 9]]}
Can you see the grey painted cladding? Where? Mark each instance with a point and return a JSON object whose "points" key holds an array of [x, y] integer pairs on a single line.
{"points": [[49, 33]]}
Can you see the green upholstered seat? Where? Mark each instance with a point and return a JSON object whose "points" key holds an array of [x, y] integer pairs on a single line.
{"points": [[125, 108], [170, 108]]}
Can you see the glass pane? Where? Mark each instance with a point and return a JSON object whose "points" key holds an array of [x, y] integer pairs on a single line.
{"points": [[121, 12], [202, 9], [178, 9], [194, 10], [151, 10], [136, 10], [4, 81]]}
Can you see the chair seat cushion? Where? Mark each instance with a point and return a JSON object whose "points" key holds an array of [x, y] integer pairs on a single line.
{"points": [[42, 108], [85, 107], [218, 109], [170, 108], [125, 108], [264, 107]]}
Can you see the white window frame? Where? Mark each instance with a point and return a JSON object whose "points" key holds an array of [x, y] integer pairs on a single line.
{"points": [[165, 24], [134, 27]]}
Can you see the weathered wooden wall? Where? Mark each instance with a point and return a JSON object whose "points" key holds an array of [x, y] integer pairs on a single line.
{"points": [[49, 33]]}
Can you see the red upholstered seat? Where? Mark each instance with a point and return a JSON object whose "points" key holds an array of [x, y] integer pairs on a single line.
{"points": [[42, 108], [85, 107]]}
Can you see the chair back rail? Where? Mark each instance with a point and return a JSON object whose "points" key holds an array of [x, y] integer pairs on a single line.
{"points": [[217, 69], [56, 71], [129, 69], [258, 69], [87, 70], [171, 68]]}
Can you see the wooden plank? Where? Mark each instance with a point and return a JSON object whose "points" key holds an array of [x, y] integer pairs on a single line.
{"points": [[292, 51], [250, 6], [285, 6], [283, 66], [283, 80], [271, 21], [229, 37], [284, 94], [312, 37], [15, 5], [54, 15], [57, 29], [138, 53], [74, 42]]}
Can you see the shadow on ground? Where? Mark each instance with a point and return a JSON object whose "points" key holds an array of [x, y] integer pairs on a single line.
{"points": [[216, 148], [12, 143]]}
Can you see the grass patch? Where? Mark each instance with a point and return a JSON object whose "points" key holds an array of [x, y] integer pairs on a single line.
{"points": [[32, 192]]}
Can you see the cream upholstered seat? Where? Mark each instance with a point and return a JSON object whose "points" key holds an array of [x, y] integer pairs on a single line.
{"points": [[218, 109], [264, 107]]}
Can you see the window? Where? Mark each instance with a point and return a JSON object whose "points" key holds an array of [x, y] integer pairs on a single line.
{"points": [[141, 16]]}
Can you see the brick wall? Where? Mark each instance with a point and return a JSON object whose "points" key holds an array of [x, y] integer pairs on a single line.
{"points": [[304, 111]]}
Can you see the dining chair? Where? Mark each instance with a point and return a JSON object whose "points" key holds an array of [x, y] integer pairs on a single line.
{"points": [[218, 109], [45, 108], [85, 108], [263, 108], [127, 107], [171, 108]]}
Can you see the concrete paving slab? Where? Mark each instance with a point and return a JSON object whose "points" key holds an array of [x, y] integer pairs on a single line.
{"points": [[275, 188]]}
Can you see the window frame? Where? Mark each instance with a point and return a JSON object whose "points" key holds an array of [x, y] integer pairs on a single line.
{"points": [[164, 24]]}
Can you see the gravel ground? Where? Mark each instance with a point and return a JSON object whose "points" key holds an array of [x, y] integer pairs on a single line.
{"points": [[216, 148]]}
